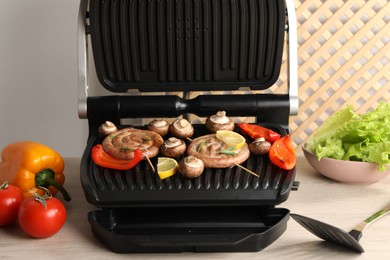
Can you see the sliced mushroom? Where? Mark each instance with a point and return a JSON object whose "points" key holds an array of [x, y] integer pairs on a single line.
{"points": [[219, 121], [191, 167], [259, 146], [173, 147], [181, 128], [107, 128], [159, 126]]}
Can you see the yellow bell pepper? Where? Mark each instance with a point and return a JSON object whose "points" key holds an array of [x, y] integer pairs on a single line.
{"points": [[31, 165]]}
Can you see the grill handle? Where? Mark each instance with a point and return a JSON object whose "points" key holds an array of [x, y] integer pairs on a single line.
{"points": [[267, 108]]}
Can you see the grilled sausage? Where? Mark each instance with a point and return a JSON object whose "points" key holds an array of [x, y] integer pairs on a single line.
{"points": [[122, 143]]}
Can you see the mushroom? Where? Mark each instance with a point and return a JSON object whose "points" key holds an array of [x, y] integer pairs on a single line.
{"points": [[173, 147], [159, 126], [191, 167], [107, 128], [181, 128], [219, 121], [259, 146]]}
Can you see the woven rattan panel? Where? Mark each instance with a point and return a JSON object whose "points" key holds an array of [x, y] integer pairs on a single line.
{"points": [[344, 58]]}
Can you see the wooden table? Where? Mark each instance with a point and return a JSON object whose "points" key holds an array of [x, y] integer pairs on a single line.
{"points": [[342, 205]]}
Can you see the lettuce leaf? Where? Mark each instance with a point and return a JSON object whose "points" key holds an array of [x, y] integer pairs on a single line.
{"points": [[330, 128], [347, 135], [331, 148]]}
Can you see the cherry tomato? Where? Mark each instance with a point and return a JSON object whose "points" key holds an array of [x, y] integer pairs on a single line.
{"points": [[10, 200], [41, 217]]}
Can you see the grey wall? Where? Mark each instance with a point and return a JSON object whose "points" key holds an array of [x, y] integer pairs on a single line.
{"points": [[38, 75]]}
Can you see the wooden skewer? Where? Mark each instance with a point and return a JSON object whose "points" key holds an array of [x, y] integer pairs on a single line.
{"points": [[150, 163], [247, 170]]}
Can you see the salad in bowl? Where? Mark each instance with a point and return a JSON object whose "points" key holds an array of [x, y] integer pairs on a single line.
{"points": [[352, 147]]}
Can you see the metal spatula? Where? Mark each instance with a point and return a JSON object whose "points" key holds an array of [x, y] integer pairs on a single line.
{"points": [[336, 235]]}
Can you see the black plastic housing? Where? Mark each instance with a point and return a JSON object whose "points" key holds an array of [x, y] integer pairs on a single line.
{"points": [[266, 108]]}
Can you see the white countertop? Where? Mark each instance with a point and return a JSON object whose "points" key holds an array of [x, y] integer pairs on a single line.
{"points": [[338, 204]]}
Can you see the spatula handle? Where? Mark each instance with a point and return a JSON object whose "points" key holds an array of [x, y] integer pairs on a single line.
{"points": [[357, 231]]}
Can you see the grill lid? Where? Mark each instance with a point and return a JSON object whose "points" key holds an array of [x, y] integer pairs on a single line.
{"points": [[187, 45]]}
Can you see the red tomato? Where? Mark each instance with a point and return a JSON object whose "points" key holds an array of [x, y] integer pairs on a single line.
{"points": [[10, 200], [41, 221]]}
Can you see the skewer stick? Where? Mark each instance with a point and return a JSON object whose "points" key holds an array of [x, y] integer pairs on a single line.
{"points": [[150, 163], [247, 170]]}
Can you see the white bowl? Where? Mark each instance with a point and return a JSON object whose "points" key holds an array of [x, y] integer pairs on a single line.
{"points": [[346, 171]]}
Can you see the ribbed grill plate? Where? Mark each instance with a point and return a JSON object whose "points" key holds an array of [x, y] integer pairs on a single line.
{"points": [[168, 45], [141, 186]]}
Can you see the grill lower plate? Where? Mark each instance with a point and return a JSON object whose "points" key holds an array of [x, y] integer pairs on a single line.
{"points": [[142, 187]]}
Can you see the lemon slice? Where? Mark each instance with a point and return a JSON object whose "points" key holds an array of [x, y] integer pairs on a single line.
{"points": [[166, 167], [231, 138]]}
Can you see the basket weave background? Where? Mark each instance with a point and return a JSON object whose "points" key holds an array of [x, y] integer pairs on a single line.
{"points": [[343, 58]]}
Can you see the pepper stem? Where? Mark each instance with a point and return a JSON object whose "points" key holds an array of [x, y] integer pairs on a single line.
{"points": [[45, 178]]}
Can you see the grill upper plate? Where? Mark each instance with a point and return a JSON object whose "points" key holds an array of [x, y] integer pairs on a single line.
{"points": [[187, 45]]}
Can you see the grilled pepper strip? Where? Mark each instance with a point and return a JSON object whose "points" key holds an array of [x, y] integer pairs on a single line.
{"points": [[101, 158], [282, 153], [31, 165], [256, 131]]}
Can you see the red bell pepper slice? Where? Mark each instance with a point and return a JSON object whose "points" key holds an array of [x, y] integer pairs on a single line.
{"points": [[282, 153], [101, 158], [256, 131]]}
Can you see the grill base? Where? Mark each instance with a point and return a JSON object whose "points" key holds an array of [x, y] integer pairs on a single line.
{"points": [[188, 229]]}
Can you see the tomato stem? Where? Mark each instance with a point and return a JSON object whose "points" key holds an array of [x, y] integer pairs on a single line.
{"points": [[4, 185], [42, 199]]}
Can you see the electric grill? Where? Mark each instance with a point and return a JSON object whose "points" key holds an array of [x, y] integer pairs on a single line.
{"points": [[152, 56]]}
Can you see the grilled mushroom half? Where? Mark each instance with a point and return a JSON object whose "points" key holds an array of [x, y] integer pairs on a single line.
{"points": [[107, 128], [191, 167], [173, 147], [219, 121], [181, 128], [259, 146], [159, 126]]}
